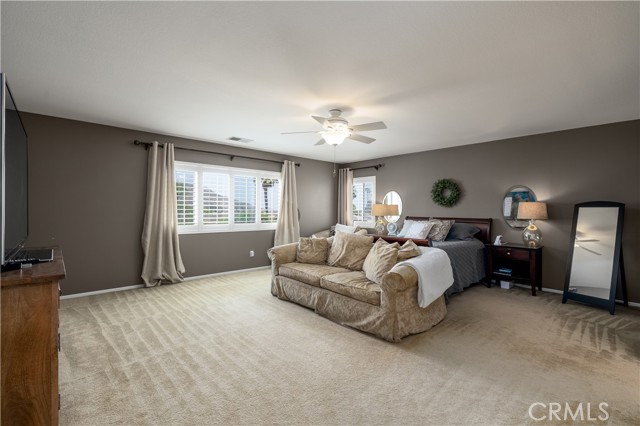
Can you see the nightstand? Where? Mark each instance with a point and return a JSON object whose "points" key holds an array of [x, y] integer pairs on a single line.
{"points": [[515, 262]]}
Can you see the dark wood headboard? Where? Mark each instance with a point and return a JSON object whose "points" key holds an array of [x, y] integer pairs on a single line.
{"points": [[483, 224]]}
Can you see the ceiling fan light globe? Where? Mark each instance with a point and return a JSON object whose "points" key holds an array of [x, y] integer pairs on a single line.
{"points": [[335, 137]]}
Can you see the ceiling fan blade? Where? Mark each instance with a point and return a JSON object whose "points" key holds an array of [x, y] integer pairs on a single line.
{"points": [[378, 125], [589, 250], [320, 120], [360, 138], [320, 142], [291, 133]]}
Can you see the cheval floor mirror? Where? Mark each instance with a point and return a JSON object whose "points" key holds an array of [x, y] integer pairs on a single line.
{"points": [[595, 269]]}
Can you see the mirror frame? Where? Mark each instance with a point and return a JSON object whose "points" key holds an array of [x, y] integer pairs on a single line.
{"points": [[618, 281], [515, 223], [393, 219]]}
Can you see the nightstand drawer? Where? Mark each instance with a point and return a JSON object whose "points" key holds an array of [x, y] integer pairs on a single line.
{"points": [[510, 253]]}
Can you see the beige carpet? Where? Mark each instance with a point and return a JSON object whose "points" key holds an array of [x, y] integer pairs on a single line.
{"points": [[222, 350]]}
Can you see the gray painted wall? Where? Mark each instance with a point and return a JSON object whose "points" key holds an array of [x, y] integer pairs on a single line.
{"points": [[562, 168], [88, 182], [87, 192]]}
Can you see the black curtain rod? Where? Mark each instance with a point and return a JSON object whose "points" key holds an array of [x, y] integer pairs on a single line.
{"points": [[231, 156], [377, 166]]}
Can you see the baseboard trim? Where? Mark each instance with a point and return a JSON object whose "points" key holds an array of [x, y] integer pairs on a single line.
{"points": [[226, 273], [132, 287], [197, 277], [94, 293], [554, 290]]}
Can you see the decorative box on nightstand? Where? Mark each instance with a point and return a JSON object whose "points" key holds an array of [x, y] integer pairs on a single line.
{"points": [[515, 262]]}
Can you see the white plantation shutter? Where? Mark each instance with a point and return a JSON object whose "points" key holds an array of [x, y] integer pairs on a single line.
{"points": [[186, 197], [364, 194], [222, 199], [215, 198], [269, 200], [244, 199]]}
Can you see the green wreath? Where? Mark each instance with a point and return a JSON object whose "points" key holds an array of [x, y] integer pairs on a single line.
{"points": [[445, 193]]}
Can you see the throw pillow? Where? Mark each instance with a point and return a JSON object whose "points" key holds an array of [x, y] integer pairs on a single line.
{"points": [[408, 250], [349, 250], [440, 229], [419, 230], [462, 231], [345, 228], [380, 260], [313, 250]]}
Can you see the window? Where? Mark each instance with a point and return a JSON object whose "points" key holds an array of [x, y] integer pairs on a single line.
{"points": [[223, 199], [364, 195]]}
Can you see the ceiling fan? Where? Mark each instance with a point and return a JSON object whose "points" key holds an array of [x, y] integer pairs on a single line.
{"points": [[337, 129]]}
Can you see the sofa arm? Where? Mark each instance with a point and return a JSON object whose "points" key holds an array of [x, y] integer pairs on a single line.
{"points": [[280, 255], [402, 278], [399, 289]]}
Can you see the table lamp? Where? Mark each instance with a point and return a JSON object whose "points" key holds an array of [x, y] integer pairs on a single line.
{"points": [[532, 236], [381, 210]]}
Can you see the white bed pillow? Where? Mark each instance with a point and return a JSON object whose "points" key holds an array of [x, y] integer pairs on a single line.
{"points": [[419, 230], [405, 227]]}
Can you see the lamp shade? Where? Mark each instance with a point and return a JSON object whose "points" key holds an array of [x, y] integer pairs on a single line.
{"points": [[532, 210], [385, 210], [392, 210]]}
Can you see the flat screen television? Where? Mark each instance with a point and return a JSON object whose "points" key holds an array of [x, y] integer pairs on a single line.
{"points": [[14, 170]]}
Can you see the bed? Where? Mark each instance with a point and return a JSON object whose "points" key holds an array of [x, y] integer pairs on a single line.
{"points": [[468, 258]]}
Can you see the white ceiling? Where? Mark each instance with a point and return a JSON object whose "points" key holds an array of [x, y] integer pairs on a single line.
{"points": [[438, 74]]}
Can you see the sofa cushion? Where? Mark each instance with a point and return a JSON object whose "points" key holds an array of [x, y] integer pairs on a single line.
{"points": [[408, 250], [322, 234], [313, 250], [345, 228], [349, 250], [381, 258], [353, 284], [308, 273]]}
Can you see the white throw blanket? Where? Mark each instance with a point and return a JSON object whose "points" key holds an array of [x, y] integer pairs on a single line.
{"points": [[434, 271]]}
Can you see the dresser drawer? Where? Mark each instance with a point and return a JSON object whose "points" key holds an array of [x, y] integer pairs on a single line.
{"points": [[510, 253]]}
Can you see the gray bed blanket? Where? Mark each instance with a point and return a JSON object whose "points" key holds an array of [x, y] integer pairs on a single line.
{"points": [[467, 260]]}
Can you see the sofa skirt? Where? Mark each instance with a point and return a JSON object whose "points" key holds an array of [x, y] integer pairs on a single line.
{"points": [[387, 322]]}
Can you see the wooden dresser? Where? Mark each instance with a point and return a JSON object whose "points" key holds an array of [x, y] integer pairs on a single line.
{"points": [[30, 343]]}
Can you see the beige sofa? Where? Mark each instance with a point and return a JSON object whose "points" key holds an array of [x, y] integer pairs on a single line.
{"points": [[387, 309]]}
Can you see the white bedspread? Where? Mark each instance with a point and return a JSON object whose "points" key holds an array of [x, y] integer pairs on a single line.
{"points": [[434, 271]]}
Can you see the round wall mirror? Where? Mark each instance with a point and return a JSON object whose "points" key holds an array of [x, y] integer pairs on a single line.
{"points": [[392, 197], [514, 196]]}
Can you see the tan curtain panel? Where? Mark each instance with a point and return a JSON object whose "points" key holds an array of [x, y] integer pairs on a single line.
{"points": [[345, 197], [288, 226], [162, 261]]}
